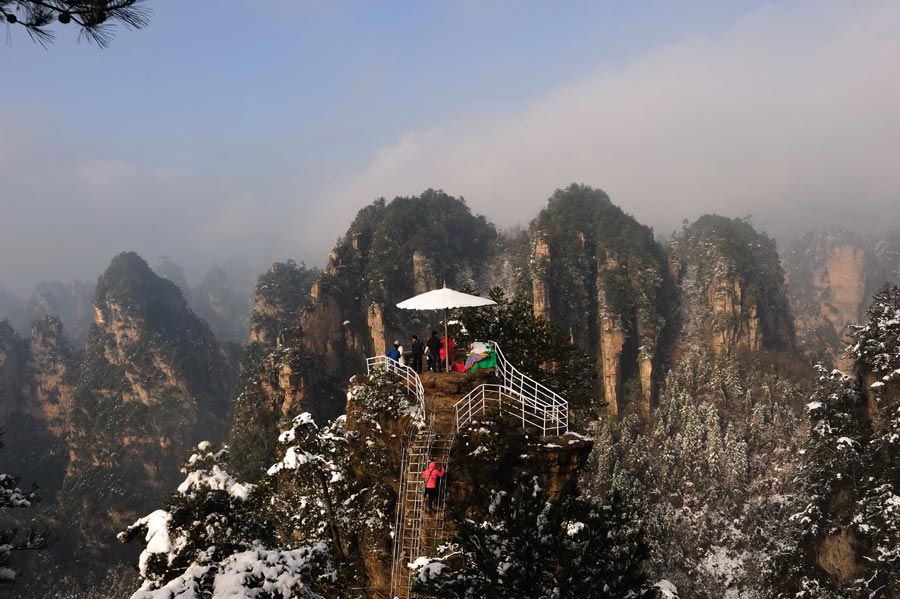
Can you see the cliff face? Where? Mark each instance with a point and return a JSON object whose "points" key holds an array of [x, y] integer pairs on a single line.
{"points": [[154, 382], [600, 276], [732, 288], [831, 276]]}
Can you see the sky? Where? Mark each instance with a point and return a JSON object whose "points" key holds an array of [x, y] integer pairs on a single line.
{"points": [[244, 132]]}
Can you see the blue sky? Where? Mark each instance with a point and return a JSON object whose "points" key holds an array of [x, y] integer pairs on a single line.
{"points": [[257, 129]]}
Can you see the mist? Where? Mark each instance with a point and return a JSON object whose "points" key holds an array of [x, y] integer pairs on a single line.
{"points": [[790, 114]]}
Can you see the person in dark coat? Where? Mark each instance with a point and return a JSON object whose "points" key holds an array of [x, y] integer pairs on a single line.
{"points": [[432, 476], [434, 352], [418, 350]]}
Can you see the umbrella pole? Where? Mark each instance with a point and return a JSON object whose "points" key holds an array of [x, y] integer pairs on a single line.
{"points": [[446, 344]]}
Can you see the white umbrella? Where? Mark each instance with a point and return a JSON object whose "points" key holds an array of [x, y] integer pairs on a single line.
{"points": [[442, 299]]}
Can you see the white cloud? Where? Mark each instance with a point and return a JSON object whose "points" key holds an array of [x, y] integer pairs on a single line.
{"points": [[792, 115]]}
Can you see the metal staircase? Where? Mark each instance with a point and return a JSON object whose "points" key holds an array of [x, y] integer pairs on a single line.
{"points": [[417, 532]]}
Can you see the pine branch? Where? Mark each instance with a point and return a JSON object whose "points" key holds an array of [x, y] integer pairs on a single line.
{"points": [[94, 17]]}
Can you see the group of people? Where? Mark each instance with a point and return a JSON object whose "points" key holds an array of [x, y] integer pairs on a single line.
{"points": [[434, 351]]}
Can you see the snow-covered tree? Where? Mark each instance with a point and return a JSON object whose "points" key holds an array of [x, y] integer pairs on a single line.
{"points": [[699, 473], [841, 538], [209, 542]]}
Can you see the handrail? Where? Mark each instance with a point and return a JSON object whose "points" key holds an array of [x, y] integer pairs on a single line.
{"points": [[517, 395], [409, 376]]}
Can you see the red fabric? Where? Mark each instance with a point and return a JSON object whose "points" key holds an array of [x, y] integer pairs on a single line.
{"points": [[431, 475]]}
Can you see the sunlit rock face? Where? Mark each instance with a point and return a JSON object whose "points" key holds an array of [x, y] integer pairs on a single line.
{"points": [[831, 277]]}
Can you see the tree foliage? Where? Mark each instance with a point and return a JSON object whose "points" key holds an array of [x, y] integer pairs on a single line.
{"points": [[531, 548], [701, 473], [12, 537]]}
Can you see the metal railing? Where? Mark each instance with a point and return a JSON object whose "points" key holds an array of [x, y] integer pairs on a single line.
{"points": [[409, 376], [519, 396]]}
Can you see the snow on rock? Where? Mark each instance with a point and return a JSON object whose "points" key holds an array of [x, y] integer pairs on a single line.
{"points": [[876, 385], [846, 442], [813, 405]]}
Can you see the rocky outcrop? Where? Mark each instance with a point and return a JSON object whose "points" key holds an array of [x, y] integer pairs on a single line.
{"points": [[830, 277], [733, 296], [887, 249], [601, 277], [154, 383], [225, 310], [390, 251]]}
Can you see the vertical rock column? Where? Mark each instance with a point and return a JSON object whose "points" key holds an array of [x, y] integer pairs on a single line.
{"points": [[376, 329], [539, 285]]}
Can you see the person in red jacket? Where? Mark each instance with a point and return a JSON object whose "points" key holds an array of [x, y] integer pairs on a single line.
{"points": [[432, 476], [447, 344]]}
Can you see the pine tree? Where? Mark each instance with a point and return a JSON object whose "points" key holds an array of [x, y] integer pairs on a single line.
{"points": [[528, 547]]}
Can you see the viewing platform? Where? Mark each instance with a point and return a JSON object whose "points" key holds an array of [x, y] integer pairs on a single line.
{"points": [[448, 401]]}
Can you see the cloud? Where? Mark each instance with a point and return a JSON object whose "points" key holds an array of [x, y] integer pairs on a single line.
{"points": [[792, 115]]}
